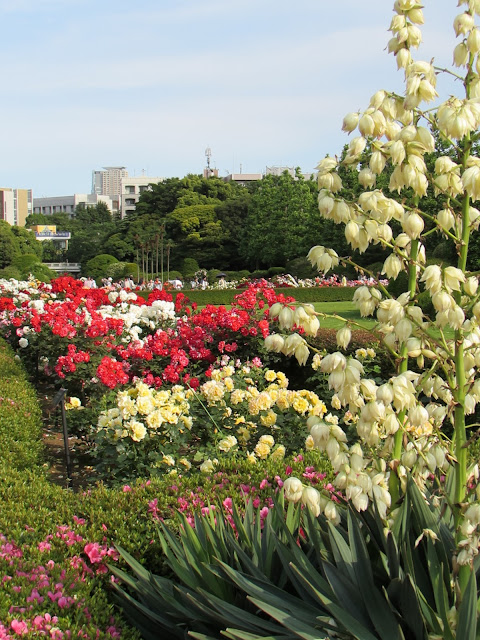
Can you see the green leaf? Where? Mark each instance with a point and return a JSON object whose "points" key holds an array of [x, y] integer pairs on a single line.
{"points": [[233, 615], [380, 613], [340, 614], [302, 630], [347, 591], [467, 612]]}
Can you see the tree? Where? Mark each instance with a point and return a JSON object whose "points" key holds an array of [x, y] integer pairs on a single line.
{"points": [[97, 267], [93, 214], [27, 242], [8, 245], [278, 224], [197, 233]]}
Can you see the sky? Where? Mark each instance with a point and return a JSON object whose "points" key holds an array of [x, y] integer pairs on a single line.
{"points": [[150, 85]]}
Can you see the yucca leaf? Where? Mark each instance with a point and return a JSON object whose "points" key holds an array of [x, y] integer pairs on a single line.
{"points": [[380, 613], [393, 556], [273, 595], [467, 612], [440, 594], [149, 619], [342, 553], [402, 595], [233, 615], [294, 557], [346, 591], [432, 620], [302, 630], [237, 634], [340, 613]]}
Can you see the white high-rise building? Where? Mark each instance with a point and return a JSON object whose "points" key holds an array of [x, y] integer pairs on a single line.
{"points": [[132, 189], [108, 182]]}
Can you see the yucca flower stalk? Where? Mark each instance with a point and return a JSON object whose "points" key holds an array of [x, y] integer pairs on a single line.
{"points": [[399, 435]]}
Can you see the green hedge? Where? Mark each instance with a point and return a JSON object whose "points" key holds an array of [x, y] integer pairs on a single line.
{"points": [[20, 416], [301, 294]]}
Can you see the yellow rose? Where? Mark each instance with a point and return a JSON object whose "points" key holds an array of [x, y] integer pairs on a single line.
{"points": [[228, 382], [237, 396], [169, 460], [227, 443], [279, 452], [73, 403], [243, 435], [270, 375], [187, 421], [269, 419], [137, 430], [309, 443], [262, 450], [267, 439], [300, 404]]}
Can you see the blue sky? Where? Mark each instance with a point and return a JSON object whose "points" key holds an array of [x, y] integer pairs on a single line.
{"points": [[151, 84]]}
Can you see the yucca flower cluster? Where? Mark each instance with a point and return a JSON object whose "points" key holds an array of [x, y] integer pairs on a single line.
{"points": [[403, 425]]}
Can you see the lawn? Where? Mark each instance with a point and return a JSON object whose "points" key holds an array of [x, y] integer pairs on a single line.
{"points": [[345, 309]]}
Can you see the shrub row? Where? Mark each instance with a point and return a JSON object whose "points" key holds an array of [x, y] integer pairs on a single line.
{"points": [[301, 294]]}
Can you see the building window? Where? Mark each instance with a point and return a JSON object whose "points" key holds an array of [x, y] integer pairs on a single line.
{"points": [[130, 201], [130, 189]]}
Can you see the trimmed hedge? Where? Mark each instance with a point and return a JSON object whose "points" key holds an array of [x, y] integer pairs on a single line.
{"points": [[20, 415], [301, 294]]}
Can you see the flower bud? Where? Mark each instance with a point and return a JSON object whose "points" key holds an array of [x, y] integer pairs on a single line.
{"points": [[293, 489], [350, 122], [311, 498], [471, 285], [344, 335], [463, 23], [274, 342], [413, 225]]}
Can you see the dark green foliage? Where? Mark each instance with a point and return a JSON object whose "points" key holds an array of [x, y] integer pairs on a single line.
{"points": [[25, 261], [10, 272], [174, 275], [189, 267], [301, 268], [97, 267], [303, 577], [276, 271], [424, 301], [281, 220]]}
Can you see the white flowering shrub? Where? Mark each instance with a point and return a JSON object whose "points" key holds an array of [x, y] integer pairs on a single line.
{"points": [[415, 424]]}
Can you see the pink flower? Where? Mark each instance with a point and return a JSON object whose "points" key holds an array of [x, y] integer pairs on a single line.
{"points": [[44, 546], [228, 503], [126, 488], [93, 551], [19, 627]]}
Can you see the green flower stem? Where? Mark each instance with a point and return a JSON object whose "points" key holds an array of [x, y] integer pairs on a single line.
{"points": [[394, 484]]}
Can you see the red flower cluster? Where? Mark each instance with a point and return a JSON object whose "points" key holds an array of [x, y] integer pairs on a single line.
{"points": [[111, 373], [69, 362]]}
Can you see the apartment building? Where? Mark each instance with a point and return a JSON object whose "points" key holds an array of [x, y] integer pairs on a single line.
{"points": [[108, 181], [15, 205], [67, 204]]}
